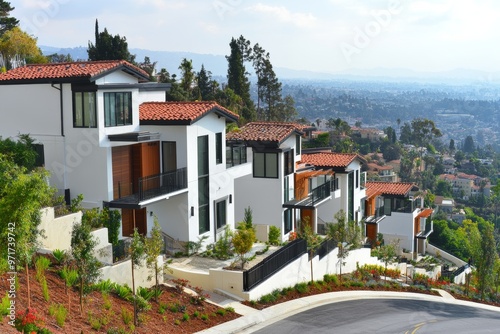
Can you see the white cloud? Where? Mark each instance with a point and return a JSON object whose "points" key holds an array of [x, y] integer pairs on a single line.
{"points": [[284, 15]]}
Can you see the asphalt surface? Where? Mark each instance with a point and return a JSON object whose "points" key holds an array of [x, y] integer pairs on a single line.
{"points": [[365, 312], [388, 316]]}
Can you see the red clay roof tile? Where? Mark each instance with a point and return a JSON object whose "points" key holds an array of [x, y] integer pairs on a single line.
{"points": [[164, 112], [329, 159], [265, 132], [72, 70], [388, 188]]}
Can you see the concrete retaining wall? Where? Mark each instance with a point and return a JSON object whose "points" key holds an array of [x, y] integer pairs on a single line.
{"points": [[433, 250]]}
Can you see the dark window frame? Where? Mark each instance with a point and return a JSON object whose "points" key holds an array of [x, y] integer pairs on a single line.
{"points": [[218, 148], [288, 220], [203, 185], [82, 116], [297, 145], [265, 155], [118, 119], [288, 162], [231, 159], [217, 213]]}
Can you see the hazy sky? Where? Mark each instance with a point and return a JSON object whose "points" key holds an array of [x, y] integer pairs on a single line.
{"points": [[317, 35]]}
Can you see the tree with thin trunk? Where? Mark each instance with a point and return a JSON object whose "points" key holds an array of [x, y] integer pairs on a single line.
{"points": [[313, 241], [83, 245], [347, 235], [136, 252], [23, 194], [153, 247], [387, 254], [243, 239]]}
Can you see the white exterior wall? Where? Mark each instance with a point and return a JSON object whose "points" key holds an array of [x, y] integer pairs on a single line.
{"points": [[174, 214], [399, 226]]}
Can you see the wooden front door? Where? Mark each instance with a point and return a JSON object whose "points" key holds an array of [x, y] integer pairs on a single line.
{"points": [[134, 218]]}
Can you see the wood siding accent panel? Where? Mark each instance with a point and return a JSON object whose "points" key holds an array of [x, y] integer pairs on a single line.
{"points": [[122, 171], [371, 231]]}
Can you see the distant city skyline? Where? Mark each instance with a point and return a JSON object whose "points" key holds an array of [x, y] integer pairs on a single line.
{"points": [[323, 35]]}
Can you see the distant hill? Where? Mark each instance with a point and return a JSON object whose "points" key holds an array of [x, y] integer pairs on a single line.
{"points": [[217, 64]]}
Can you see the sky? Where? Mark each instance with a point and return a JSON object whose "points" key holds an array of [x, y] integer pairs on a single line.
{"points": [[317, 35]]}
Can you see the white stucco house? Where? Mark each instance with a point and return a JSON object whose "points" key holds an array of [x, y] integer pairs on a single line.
{"points": [[104, 131], [396, 210]]}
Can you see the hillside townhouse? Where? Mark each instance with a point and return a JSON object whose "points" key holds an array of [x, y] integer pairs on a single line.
{"points": [[395, 209], [284, 186], [104, 131], [381, 173], [466, 185]]}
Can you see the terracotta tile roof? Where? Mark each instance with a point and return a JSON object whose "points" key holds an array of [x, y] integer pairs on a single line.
{"points": [[377, 167], [73, 70], [388, 188], [329, 159], [180, 112], [275, 132]]}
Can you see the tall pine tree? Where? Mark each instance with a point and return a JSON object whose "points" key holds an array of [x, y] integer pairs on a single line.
{"points": [[108, 47], [6, 21]]}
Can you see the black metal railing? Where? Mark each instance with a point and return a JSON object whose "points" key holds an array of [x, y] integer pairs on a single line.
{"points": [[273, 263], [162, 184], [320, 192], [460, 270], [325, 248]]}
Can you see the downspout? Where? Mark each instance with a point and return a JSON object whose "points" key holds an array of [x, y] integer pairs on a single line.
{"points": [[61, 108]]}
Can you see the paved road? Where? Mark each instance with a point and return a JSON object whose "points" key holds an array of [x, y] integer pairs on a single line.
{"points": [[388, 316]]}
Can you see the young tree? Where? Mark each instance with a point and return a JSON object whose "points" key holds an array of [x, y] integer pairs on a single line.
{"points": [[149, 67], [153, 247], [87, 266], [6, 21], [243, 239], [136, 252], [485, 262], [108, 47], [207, 88], [387, 254], [313, 242], [347, 235]]}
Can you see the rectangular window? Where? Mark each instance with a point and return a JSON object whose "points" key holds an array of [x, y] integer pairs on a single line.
{"points": [[84, 110], [387, 206], [357, 179], [297, 145], [203, 186], [288, 163], [40, 155], [288, 223], [117, 109], [169, 156], [265, 165], [220, 214], [218, 148]]}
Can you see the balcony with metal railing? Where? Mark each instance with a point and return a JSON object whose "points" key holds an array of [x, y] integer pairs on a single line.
{"points": [[149, 188], [315, 197]]}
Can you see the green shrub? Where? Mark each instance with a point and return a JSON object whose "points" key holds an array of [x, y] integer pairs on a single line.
{"points": [[4, 305], [45, 289], [123, 291], [267, 299], [177, 322], [59, 312], [196, 314], [59, 255], [174, 308], [331, 279], [105, 286], [204, 317], [223, 249], [162, 308], [185, 317], [116, 331], [145, 293], [127, 316], [107, 301], [230, 309], [301, 287], [41, 264], [274, 235], [142, 304], [221, 312]]}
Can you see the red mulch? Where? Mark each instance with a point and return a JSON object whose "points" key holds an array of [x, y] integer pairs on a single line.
{"points": [[154, 322]]}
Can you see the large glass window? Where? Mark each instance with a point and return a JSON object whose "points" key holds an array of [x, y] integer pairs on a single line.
{"points": [[289, 162], [117, 109], [288, 220], [169, 156], [220, 214], [218, 148], [297, 145], [235, 155], [265, 165], [84, 110], [203, 186]]}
